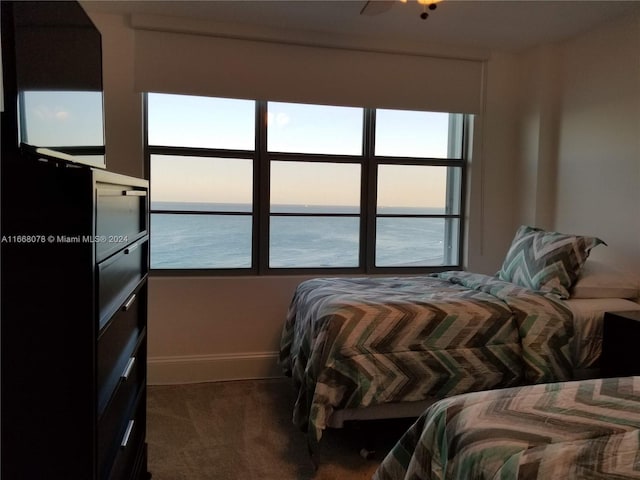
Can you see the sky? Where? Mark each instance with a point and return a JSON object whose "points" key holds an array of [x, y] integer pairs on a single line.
{"points": [[293, 128], [192, 121], [70, 119]]}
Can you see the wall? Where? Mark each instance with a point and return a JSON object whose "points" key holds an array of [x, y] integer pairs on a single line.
{"points": [[598, 177], [579, 127], [538, 117], [122, 104], [540, 82], [493, 195], [208, 328], [204, 328]]}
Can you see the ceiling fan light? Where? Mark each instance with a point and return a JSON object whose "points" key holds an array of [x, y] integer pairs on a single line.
{"points": [[426, 4]]}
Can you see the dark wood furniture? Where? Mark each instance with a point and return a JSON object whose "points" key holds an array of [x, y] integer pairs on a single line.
{"points": [[73, 261], [74, 308], [621, 344]]}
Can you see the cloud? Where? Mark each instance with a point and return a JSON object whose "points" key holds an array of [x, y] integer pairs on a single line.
{"points": [[62, 115], [278, 119], [43, 112]]}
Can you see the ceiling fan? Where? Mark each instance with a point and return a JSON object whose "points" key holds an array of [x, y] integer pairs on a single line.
{"points": [[376, 7]]}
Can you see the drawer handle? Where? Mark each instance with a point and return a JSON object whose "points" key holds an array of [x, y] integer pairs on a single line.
{"points": [[127, 434], [111, 192], [131, 249], [134, 193], [128, 368], [129, 302], [116, 192]]}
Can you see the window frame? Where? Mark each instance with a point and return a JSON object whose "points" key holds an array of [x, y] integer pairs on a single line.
{"points": [[368, 215]]}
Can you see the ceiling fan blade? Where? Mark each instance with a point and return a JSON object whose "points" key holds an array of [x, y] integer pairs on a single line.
{"points": [[376, 7]]}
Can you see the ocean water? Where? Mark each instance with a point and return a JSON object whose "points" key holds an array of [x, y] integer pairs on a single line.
{"points": [[199, 241]]}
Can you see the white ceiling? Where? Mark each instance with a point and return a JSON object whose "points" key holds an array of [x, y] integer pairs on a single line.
{"points": [[502, 25]]}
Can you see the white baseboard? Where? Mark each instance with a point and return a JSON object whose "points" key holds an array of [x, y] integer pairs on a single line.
{"points": [[212, 368]]}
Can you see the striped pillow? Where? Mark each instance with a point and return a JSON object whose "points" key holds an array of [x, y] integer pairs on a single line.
{"points": [[548, 262]]}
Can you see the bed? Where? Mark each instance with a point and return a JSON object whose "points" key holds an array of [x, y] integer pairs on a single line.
{"points": [[579, 429], [381, 347]]}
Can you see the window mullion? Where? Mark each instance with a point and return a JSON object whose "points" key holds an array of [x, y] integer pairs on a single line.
{"points": [[453, 184], [145, 138], [369, 180], [261, 192], [200, 152], [467, 134]]}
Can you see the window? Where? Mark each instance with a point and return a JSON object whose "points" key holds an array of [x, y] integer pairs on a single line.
{"points": [[241, 186], [297, 128], [65, 121], [202, 212], [411, 221], [61, 118], [307, 228]]}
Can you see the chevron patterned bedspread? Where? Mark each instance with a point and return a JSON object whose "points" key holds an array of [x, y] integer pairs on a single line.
{"points": [[587, 429], [357, 342]]}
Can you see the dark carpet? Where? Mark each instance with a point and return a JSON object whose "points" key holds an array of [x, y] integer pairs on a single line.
{"points": [[243, 430]]}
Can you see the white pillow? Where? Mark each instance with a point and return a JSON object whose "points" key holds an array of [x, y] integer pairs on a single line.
{"points": [[599, 280]]}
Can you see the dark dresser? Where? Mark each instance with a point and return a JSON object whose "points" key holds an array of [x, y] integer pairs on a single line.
{"points": [[74, 335]]}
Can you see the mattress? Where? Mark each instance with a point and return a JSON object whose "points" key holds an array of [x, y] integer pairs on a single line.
{"points": [[580, 429], [361, 342], [587, 347]]}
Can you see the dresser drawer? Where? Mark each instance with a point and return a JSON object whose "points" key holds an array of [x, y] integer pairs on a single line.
{"points": [[121, 410], [118, 276], [130, 446], [120, 217], [117, 343]]}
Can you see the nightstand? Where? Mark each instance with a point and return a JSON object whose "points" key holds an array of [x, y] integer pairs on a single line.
{"points": [[621, 344]]}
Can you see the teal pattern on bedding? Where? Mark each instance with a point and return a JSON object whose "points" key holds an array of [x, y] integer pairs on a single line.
{"points": [[568, 430], [357, 342]]}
